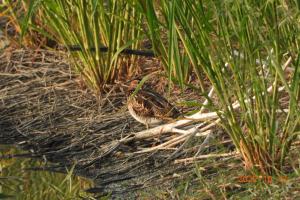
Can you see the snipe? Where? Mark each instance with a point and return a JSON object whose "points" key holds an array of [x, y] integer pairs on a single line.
{"points": [[149, 107]]}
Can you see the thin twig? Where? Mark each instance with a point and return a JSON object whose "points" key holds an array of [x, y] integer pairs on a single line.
{"points": [[193, 159]]}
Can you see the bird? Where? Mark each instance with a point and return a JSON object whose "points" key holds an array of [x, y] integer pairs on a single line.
{"points": [[149, 107]]}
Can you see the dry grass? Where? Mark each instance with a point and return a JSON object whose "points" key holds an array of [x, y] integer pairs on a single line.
{"points": [[45, 109]]}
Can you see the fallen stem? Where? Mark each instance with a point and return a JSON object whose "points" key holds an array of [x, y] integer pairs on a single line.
{"points": [[193, 159]]}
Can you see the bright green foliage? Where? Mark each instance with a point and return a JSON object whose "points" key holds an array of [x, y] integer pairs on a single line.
{"points": [[161, 20], [241, 46], [92, 25]]}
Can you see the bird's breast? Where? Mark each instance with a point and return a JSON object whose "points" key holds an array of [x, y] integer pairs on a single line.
{"points": [[143, 119]]}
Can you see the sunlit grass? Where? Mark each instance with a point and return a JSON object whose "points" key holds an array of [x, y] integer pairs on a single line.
{"points": [[91, 26], [94, 24], [266, 37]]}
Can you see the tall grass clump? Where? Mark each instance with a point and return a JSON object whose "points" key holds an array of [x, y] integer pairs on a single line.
{"points": [[161, 30], [92, 26], [14, 14], [243, 48]]}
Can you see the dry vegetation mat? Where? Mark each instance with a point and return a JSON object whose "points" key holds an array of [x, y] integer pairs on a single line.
{"points": [[44, 110]]}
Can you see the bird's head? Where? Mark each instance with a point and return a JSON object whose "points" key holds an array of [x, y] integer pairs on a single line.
{"points": [[133, 84], [129, 87]]}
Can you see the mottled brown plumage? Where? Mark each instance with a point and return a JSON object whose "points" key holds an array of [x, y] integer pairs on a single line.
{"points": [[149, 107]]}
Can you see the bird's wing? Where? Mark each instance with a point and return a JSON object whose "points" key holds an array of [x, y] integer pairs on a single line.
{"points": [[159, 106]]}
